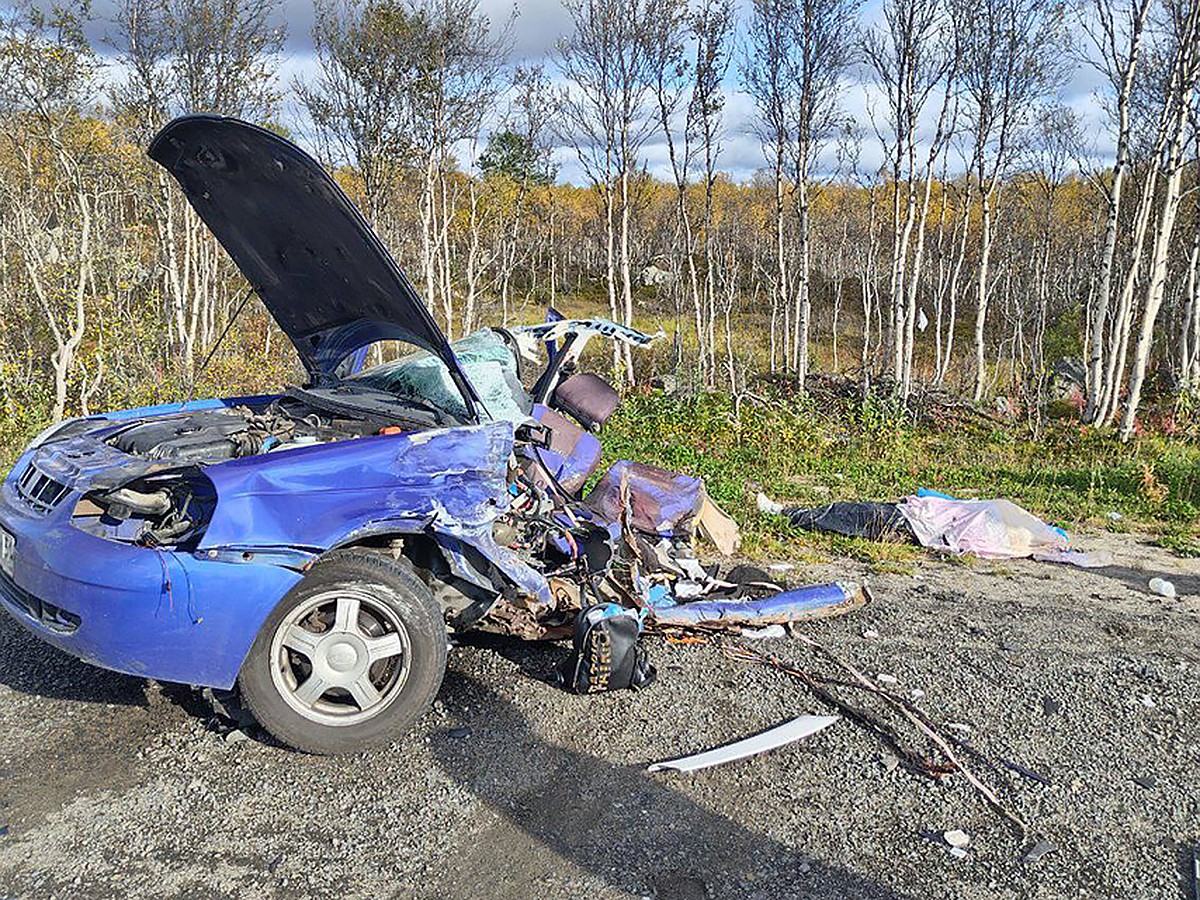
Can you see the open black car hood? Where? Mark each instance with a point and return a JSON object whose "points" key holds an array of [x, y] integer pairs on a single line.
{"points": [[304, 247]]}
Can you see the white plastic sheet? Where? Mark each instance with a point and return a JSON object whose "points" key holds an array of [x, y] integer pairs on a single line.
{"points": [[995, 529]]}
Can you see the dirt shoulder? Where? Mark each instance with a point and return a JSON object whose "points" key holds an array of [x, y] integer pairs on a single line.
{"points": [[111, 786]]}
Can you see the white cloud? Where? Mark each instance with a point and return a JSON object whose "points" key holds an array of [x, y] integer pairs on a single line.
{"points": [[538, 24]]}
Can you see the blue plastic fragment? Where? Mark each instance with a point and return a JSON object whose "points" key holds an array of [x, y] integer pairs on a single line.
{"points": [[659, 597], [788, 606], [930, 492], [612, 610]]}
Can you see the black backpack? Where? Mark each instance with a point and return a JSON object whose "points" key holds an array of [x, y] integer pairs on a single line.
{"points": [[605, 653]]}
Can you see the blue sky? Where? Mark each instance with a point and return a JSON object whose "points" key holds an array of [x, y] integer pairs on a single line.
{"points": [[540, 23]]}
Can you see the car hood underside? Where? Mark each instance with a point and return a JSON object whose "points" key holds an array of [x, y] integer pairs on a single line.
{"points": [[301, 243]]}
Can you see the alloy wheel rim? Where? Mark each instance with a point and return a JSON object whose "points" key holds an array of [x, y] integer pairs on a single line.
{"points": [[341, 657]]}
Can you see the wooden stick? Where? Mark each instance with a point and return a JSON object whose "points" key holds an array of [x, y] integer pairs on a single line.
{"points": [[941, 743]]}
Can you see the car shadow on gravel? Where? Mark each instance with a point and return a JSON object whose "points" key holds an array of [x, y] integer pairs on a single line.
{"points": [[615, 822], [33, 667], [536, 659]]}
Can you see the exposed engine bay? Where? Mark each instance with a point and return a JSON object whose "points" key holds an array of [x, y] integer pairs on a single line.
{"points": [[210, 436]]}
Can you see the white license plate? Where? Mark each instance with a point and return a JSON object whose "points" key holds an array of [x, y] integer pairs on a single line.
{"points": [[8, 551]]}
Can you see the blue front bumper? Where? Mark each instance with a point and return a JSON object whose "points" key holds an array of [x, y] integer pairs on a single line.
{"points": [[147, 612]]}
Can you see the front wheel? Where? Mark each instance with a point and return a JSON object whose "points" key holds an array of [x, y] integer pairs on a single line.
{"points": [[349, 659]]}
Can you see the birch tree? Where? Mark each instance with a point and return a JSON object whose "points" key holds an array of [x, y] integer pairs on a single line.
{"points": [[458, 83], [521, 154], [359, 100], [767, 76], [1114, 31], [1189, 326], [1179, 96], [911, 57], [188, 56], [696, 57], [800, 50], [48, 82], [1053, 150], [1011, 53], [611, 62], [826, 30], [712, 30]]}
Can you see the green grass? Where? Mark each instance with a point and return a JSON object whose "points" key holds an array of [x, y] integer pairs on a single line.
{"points": [[811, 452], [1181, 540]]}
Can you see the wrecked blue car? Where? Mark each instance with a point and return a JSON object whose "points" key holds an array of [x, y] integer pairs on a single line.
{"points": [[311, 547]]}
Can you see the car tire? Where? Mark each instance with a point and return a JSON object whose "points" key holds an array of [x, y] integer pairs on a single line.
{"points": [[349, 659]]}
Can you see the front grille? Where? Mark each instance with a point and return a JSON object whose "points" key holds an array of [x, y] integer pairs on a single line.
{"points": [[47, 614], [39, 490]]}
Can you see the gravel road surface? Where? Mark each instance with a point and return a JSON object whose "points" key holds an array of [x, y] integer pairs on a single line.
{"points": [[112, 786]]}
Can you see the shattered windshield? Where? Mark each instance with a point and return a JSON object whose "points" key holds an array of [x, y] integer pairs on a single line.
{"points": [[486, 359]]}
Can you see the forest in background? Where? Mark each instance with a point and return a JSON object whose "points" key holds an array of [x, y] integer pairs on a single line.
{"points": [[985, 251]]}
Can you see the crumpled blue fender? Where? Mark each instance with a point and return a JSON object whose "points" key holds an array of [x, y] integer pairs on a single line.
{"points": [[450, 483]]}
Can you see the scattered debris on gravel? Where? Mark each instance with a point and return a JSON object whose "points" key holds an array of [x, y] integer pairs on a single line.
{"points": [[511, 787]]}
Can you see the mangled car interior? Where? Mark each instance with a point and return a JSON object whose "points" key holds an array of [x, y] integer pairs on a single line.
{"points": [[315, 547]]}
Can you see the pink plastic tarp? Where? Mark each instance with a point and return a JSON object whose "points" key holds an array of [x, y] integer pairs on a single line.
{"points": [[992, 529]]}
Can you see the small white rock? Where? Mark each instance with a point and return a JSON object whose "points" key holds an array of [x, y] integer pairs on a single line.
{"points": [[1162, 587], [870, 634], [916, 693], [957, 838], [959, 726], [958, 852], [1147, 701], [884, 678]]}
